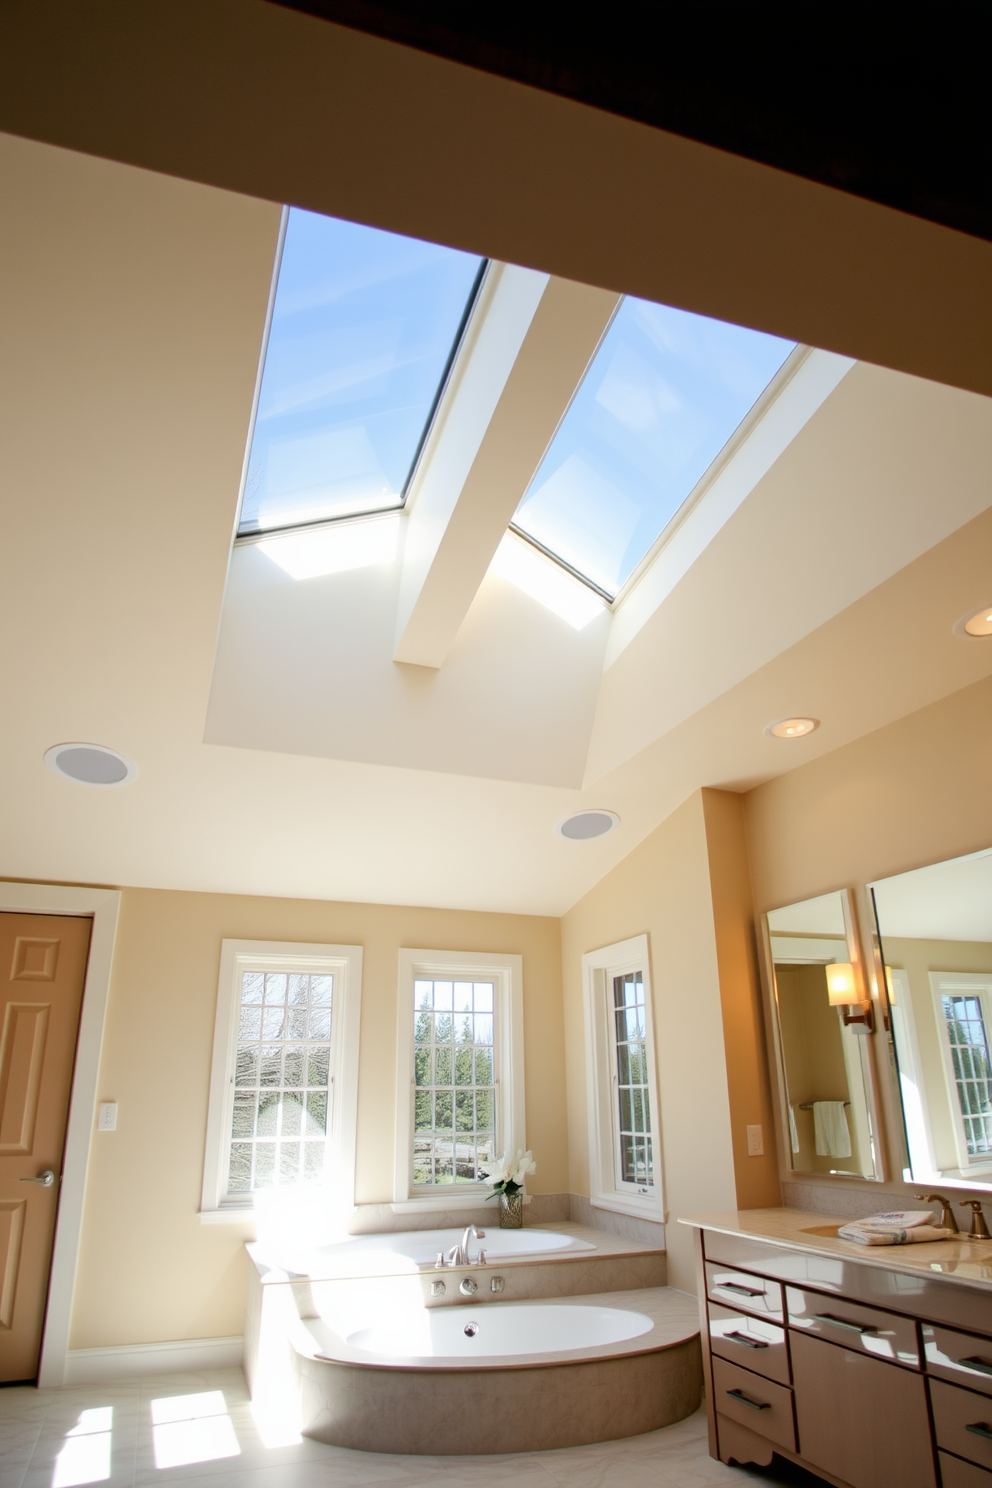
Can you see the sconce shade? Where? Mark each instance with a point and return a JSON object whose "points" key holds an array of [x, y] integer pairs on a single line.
{"points": [[890, 986], [841, 988]]}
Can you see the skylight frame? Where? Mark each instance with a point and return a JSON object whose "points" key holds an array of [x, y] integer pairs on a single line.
{"points": [[246, 538], [748, 423]]}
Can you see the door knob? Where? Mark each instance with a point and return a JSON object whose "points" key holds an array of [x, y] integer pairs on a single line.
{"points": [[45, 1179]]}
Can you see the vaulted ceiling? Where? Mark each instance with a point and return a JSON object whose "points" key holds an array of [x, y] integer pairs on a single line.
{"points": [[282, 748]]}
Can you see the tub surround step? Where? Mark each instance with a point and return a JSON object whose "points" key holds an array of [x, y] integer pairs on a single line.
{"points": [[553, 1399]]}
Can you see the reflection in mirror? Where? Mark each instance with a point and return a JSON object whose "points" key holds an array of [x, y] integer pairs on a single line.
{"points": [[935, 941], [824, 1017]]}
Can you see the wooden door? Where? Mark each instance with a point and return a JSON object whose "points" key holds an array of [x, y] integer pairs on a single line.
{"points": [[42, 968]]}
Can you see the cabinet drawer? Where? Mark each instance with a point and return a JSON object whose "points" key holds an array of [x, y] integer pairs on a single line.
{"points": [[957, 1474], [754, 1402], [741, 1289], [962, 1422], [965, 1358], [753, 1342], [860, 1419], [868, 1330]]}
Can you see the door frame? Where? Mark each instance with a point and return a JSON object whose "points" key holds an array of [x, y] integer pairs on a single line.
{"points": [[103, 907]]}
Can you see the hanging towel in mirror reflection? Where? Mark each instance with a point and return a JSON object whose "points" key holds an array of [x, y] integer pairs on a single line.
{"points": [[830, 1128], [793, 1132]]}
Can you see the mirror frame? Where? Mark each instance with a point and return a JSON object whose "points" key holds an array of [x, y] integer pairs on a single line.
{"points": [[868, 980]]}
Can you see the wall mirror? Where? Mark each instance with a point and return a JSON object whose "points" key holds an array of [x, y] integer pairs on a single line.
{"points": [[934, 929], [823, 1017]]}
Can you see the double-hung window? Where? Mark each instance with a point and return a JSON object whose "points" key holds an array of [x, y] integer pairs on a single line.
{"points": [[624, 1146], [964, 1013], [460, 1074], [283, 1094]]}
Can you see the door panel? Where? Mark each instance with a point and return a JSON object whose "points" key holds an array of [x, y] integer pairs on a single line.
{"points": [[42, 969]]}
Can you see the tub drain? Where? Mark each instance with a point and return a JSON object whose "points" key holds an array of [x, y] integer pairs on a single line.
{"points": [[471, 1329]]}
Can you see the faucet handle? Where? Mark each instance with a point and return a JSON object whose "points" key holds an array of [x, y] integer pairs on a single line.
{"points": [[979, 1229]]}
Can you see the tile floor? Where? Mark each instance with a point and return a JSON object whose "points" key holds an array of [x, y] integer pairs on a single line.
{"points": [[198, 1430]]}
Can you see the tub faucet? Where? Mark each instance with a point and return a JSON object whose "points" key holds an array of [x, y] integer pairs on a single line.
{"points": [[458, 1255]]}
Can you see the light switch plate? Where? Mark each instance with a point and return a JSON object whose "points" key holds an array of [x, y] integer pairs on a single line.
{"points": [[108, 1116], [755, 1142]]}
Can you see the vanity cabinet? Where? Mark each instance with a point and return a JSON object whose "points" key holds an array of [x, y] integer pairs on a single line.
{"points": [[854, 1370]]}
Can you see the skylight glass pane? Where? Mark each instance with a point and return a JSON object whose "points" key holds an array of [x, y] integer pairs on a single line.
{"points": [[363, 329], [665, 392]]}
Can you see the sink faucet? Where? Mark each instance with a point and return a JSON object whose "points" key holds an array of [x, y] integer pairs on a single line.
{"points": [[979, 1229], [458, 1255], [947, 1220]]}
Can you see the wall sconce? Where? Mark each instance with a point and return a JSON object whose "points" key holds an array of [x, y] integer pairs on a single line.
{"points": [[844, 993]]}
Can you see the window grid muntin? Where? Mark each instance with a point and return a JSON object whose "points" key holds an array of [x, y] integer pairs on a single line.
{"points": [[283, 1053], [632, 1103], [972, 1068], [446, 1011]]}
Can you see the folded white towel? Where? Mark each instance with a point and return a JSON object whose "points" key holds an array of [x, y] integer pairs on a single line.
{"points": [[830, 1128], [915, 1235]]}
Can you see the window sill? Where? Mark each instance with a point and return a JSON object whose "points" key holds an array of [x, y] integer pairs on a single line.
{"points": [[246, 1215], [450, 1203], [637, 1208]]}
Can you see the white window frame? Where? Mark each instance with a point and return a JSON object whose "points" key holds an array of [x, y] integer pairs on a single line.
{"points": [[506, 974], [972, 984], [606, 1190], [344, 963]]}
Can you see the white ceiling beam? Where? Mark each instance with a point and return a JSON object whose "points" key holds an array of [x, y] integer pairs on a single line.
{"points": [[527, 349]]}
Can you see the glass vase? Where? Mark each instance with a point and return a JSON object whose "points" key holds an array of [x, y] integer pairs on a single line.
{"points": [[511, 1211]]}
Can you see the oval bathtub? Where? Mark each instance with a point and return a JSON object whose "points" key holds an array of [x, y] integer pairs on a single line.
{"points": [[494, 1331], [563, 1373], [410, 1250]]}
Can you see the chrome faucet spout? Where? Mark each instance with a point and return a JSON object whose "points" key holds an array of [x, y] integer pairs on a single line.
{"points": [[461, 1250]]}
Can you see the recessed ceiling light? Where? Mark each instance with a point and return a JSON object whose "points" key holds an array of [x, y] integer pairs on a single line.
{"points": [[976, 623], [585, 825], [792, 728], [90, 764]]}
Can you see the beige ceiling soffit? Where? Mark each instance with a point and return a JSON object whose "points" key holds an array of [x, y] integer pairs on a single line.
{"points": [[813, 382], [530, 352]]}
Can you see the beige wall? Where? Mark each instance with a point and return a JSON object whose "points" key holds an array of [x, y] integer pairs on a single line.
{"points": [[149, 1270], [663, 888], [913, 793]]}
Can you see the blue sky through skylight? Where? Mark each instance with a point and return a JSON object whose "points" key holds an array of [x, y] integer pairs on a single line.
{"points": [[662, 397], [363, 326]]}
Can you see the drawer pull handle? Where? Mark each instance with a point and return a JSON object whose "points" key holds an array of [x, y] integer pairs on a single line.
{"points": [[979, 1364], [732, 1286], [755, 1404], [748, 1342], [979, 1428], [826, 1317]]}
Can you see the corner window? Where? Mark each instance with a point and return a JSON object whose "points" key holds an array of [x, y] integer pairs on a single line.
{"points": [[283, 1092], [624, 1150], [460, 1071]]}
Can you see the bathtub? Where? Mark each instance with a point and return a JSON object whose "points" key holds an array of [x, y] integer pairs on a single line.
{"points": [[500, 1376], [413, 1250]]}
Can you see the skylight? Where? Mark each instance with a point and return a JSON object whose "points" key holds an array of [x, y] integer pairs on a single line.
{"points": [[663, 395], [364, 327]]}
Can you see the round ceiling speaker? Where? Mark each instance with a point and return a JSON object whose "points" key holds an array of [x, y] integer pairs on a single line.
{"points": [[90, 764], [585, 825]]}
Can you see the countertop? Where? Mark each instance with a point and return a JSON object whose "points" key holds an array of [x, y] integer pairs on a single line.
{"points": [[961, 1260]]}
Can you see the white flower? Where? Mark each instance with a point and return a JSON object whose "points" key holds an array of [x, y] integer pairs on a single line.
{"points": [[522, 1165], [495, 1171]]}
